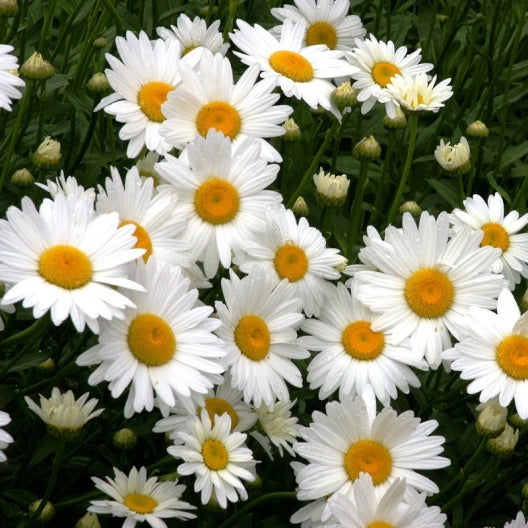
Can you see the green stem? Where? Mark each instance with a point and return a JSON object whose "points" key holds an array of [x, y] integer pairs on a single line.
{"points": [[413, 129], [278, 495], [45, 32], [356, 210], [34, 329], [82, 498], [109, 6], [315, 162]]}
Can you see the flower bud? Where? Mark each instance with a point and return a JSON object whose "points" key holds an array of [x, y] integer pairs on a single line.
{"points": [[516, 421], [477, 129], [46, 367], [98, 84], [367, 149], [491, 419], [331, 189], [8, 8], [300, 207], [454, 159], [22, 178], [48, 154], [503, 445], [90, 520], [293, 132], [124, 439], [397, 122], [344, 96], [37, 68], [47, 513], [411, 207], [100, 42]]}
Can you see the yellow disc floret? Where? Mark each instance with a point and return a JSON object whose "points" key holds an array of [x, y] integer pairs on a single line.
{"points": [[150, 98], [512, 356], [292, 65], [151, 339], [368, 456], [252, 337], [382, 72], [321, 33], [380, 524], [218, 406], [214, 455], [495, 235], [429, 293], [361, 342], [140, 503], [65, 266], [216, 201], [291, 262], [143, 239], [221, 116]]}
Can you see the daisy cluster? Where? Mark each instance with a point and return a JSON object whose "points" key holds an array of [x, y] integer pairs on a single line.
{"points": [[210, 304]]}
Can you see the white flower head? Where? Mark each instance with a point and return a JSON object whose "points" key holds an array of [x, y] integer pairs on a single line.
{"points": [[453, 158], [62, 413], [331, 188], [5, 437], [518, 522], [10, 83]]}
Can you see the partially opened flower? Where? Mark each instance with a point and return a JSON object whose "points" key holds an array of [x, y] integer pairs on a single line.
{"points": [[137, 499], [454, 159], [63, 414]]}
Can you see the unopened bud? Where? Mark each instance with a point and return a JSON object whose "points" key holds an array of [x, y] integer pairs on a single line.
{"points": [[98, 84], [124, 439], [8, 8], [411, 207], [89, 520], [46, 367], [491, 419], [100, 42], [48, 154], [47, 513], [37, 68], [293, 132], [477, 129], [397, 122], [367, 149], [331, 189], [516, 421], [454, 159], [344, 96], [504, 445], [22, 178], [300, 207]]}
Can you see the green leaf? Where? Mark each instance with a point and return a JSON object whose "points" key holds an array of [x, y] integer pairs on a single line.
{"points": [[493, 182], [448, 193], [512, 154]]}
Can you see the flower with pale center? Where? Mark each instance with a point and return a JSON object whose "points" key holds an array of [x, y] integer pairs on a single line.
{"points": [[454, 159], [137, 499], [331, 188]]}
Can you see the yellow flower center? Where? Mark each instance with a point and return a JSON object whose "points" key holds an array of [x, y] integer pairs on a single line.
{"points": [[140, 503], [252, 337], [292, 65], [512, 356], [380, 524], [495, 235], [321, 33], [218, 406], [151, 339], [291, 262], [143, 239], [368, 456], [221, 116], [361, 342], [216, 201], [150, 98], [188, 49], [429, 293], [214, 455], [65, 266], [382, 72]]}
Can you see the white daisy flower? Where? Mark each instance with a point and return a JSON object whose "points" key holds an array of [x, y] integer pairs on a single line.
{"points": [[296, 252], [218, 457], [62, 413], [351, 355], [163, 345], [327, 22], [494, 354], [426, 282], [152, 214], [518, 522], [500, 231], [62, 258], [351, 439], [375, 64], [311, 515], [210, 99], [141, 80], [418, 93], [5, 437], [69, 185], [223, 399], [9, 82], [221, 195], [138, 499], [193, 34], [278, 425], [367, 508], [259, 329], [303, 72]]}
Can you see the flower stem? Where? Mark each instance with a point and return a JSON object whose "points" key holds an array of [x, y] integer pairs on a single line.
{"points": [[413, 129], [356, 210]]}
